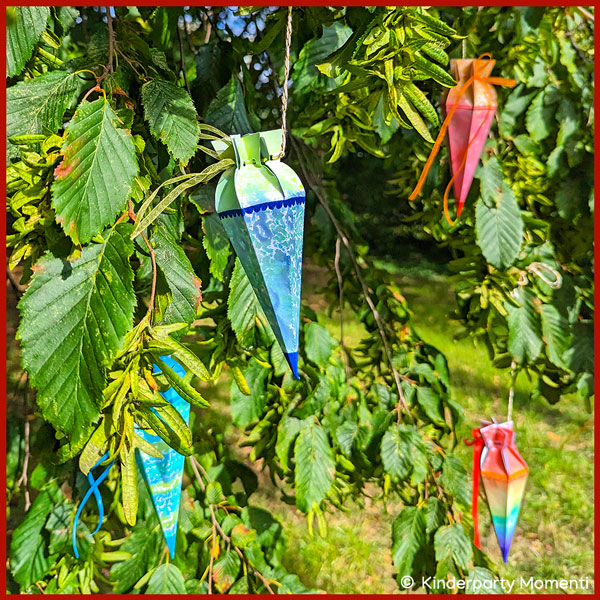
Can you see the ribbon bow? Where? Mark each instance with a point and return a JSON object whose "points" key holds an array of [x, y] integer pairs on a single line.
{"points": [[442, 134], [94, 485], [477, 442]]}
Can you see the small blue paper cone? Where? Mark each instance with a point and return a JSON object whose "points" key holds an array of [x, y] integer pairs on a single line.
{"points": [[261, 206], [163, 475]]}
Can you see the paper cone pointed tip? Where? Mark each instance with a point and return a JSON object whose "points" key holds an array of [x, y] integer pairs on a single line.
{"points": [[171, 546], [292, 358], [505, 552]]}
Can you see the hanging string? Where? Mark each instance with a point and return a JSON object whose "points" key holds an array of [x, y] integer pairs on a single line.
{"points": [[477, 442], [538, 268], [286, 76], [442, 134], [511, 392], [94, 484]]}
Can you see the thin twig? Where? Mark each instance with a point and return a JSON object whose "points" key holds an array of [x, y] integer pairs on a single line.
{"points": [[585, 13], [154, 274], [23, 479], [208, 27], [111, 45], [212, 558], [336, 264], [130, 63], [19, 289], [196, 466], [181, 59], [317, 191], [152, 258]]}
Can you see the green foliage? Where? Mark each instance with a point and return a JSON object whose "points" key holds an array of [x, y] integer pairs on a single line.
{"points": [[22, 34], [107, 299], [172, 117], [94, 180], [524, 282], [91, 301], [38, 105]]}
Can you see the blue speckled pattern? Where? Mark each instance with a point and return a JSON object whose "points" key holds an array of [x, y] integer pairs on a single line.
{"points": [[261, 205], [269, 244], [163, 475]]}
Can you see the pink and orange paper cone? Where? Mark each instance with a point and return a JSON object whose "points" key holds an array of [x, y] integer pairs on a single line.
{"points": [[469, 128], [469, 110]]}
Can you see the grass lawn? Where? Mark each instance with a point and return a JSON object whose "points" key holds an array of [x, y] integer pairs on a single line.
{"points": [[554, 538]]}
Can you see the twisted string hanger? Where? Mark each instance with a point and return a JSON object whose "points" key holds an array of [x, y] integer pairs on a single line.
{"points": [[286, 76]]}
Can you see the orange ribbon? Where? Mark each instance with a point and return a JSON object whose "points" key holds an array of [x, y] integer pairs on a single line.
{"points": [[477, 443], [442, 134]]}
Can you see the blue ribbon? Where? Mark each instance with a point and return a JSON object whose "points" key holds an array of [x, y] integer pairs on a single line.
{"points": [[94, 485]]}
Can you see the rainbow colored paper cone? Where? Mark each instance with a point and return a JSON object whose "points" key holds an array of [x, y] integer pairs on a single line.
{"points": [[164, 475], [261, 206], [470, 124], [504, 475]]}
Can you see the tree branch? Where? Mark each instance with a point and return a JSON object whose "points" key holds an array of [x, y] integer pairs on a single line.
{"points": [[181, 60], [111, 45], [317, 191]]}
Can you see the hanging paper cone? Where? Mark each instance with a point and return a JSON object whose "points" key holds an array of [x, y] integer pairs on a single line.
{"points": [[470, 124], [261, 206], [164, 475], [504, 475], [468, 109]]}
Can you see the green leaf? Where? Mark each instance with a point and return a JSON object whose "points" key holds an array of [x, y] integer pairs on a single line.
{"points": [[451, 541], [434, 513], [228, 110], [483, 581], [183, 285], [243, 309], [74, 317], [318, 344], [516, 104], [287, 430], [524, 339], [408, 537], [315, 468], [167, 579], [498, 223], [28, 561], [22, 35], [225, 570], [172, 117], [540, 119], [94, 180], [555, 328], [414, 117], [216, 243], [145, 548], [38, 105], [581, 354], [129, 488], [246, 409], [454, 479], [431, 404], [403, 452]]}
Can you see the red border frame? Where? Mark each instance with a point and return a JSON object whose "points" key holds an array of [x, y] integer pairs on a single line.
{"points": [[3, 549]]}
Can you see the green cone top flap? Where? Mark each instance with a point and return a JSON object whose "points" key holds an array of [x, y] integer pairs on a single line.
{"points": [[261, 206]]}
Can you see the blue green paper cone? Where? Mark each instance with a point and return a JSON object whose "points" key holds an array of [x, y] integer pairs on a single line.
{"points": [[261, 206], [163, 475]]}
